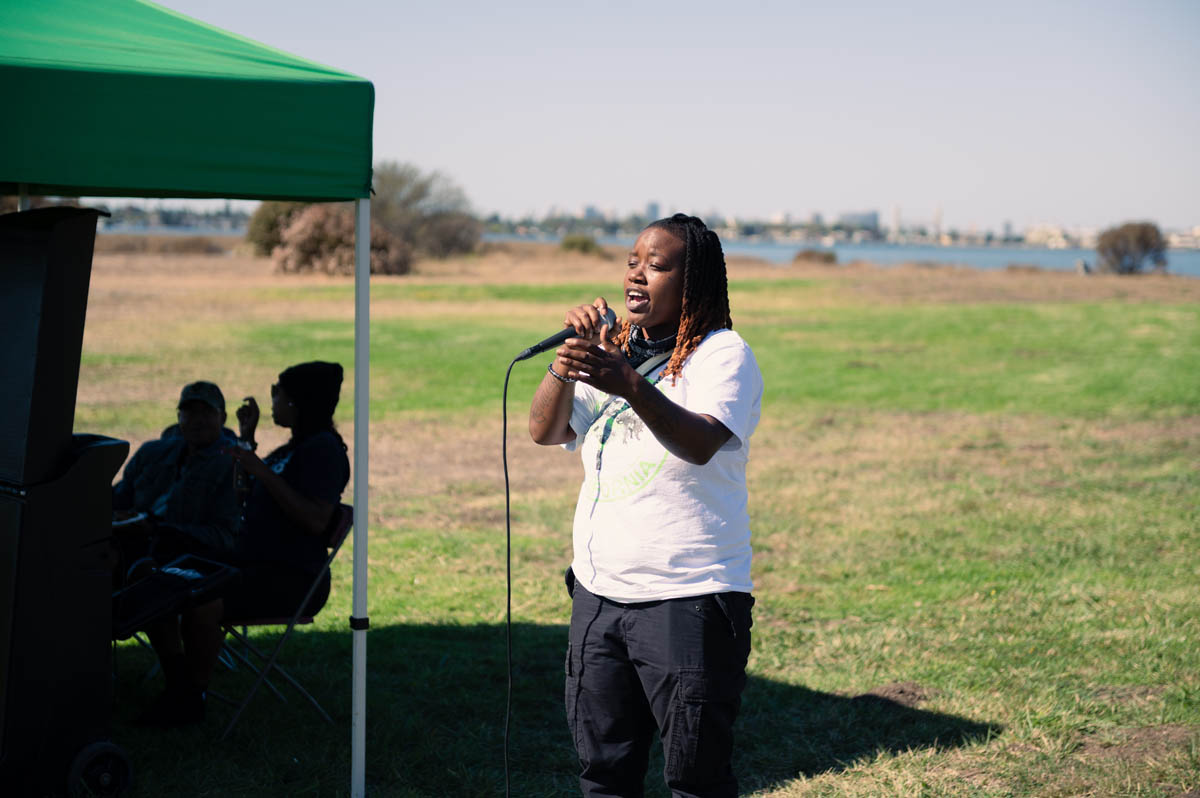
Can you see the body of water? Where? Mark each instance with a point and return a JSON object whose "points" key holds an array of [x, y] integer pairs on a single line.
{"points": [[1179, 261], [170, 230]]}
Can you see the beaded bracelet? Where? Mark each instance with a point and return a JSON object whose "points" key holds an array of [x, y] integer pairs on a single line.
{"points": [[557, 376]]}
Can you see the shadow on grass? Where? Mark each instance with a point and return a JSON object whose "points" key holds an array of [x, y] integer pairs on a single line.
{"points": [[435, 723]]}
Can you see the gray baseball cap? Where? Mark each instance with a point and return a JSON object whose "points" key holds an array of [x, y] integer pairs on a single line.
{"points": [[202, 391]]}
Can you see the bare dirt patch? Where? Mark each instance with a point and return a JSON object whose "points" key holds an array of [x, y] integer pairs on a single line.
{"points": [[1151, 743], [908, 694]]}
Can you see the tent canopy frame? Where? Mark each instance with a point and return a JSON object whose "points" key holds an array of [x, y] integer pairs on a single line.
{"points": [[130, 99]]}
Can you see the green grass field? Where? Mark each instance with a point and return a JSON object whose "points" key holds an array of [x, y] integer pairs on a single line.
{"points": [[975, 529]]}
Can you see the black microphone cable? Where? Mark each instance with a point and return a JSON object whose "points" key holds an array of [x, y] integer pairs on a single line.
{"points": [[549, 343], [507, 566]]}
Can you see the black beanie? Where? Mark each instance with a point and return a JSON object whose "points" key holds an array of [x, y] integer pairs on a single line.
{"points": [[313, 387]]}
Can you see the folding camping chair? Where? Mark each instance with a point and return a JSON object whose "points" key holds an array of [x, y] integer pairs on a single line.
{"points": [[339, 527]]}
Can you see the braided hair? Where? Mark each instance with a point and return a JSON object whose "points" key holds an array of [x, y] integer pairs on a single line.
{"points": [[705, 289]]}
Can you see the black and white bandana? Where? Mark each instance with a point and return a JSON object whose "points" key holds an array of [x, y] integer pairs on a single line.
{"points": [[641, 349]]}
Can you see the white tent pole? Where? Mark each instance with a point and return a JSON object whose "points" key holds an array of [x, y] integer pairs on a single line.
{"points": [[362, 396]]}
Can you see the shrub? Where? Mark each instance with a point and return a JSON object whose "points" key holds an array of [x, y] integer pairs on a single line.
{"points": [[265, 229], [581, 243], [825, 256], [321, 238], [428, 211], [1125, 249], [411, 213], [447, 233]]}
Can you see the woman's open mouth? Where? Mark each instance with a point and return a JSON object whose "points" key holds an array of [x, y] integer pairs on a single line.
{"points": [[636, 300]]}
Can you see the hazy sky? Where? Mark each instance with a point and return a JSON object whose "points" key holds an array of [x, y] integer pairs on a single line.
{"points": [[1082, 114]]}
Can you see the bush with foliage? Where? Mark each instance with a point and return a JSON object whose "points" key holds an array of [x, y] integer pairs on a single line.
{"points": [[825, 256], [321, 238], [428, 211], [581, 243], [412, 212], [265, 229], [1125, 249]]}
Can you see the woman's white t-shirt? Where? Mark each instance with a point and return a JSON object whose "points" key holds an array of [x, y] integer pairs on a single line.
{"points": [[648, 525]]}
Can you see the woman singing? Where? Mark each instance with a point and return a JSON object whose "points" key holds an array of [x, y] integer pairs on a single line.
{"points": [[662, 413]]}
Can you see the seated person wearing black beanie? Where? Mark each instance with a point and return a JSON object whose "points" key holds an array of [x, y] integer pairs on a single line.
{"points": [[281, 548], [294, 495]]}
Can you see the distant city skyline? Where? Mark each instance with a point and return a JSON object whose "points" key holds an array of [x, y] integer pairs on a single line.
{"points": [[885, 221], [1076, 114]]}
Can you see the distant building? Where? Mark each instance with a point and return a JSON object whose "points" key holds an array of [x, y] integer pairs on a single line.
{"points": [[652, 211], [866, 220], [1184, 239], [1050, 236]]}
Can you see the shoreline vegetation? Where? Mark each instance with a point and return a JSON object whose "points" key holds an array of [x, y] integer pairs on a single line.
{"points": [[973, 497]]}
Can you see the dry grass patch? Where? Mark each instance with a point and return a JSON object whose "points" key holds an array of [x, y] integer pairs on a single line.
{"points": [[909, 284], [165, 285]]}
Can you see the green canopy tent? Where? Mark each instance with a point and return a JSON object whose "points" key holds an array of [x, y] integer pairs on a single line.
{"points": [[126, 98]]}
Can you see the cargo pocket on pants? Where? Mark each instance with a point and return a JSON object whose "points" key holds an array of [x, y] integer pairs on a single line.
{"points": [[702, 715], [571, 695]]}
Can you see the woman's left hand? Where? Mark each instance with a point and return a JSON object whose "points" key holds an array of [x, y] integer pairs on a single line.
{"points": [[600, 365], [247, 416]]}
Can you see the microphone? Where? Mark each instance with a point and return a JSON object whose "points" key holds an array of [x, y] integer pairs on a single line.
{"points": [[609, 318]]}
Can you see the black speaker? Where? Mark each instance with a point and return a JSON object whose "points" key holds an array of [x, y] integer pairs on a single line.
{"points": [[55, 519], [45, 267], [56, 617]]}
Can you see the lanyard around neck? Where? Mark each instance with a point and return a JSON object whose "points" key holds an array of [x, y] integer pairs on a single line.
{"points": [[644, 369]]}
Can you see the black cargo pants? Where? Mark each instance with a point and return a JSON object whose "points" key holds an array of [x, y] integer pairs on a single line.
{"points": [[678, 665]]}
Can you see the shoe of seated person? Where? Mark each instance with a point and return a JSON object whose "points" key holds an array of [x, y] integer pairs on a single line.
{"points": [[174, 708]]}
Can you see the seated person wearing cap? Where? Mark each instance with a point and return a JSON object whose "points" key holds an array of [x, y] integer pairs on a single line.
{"points": [[183, 484]]}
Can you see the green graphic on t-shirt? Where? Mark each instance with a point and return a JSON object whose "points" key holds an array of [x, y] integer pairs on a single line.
{"points": [[612, 480], [617, 487]]}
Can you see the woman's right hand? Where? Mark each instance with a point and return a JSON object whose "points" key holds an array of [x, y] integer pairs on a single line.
{"points": [[550, 411], [588, 319], [247, 416]]}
